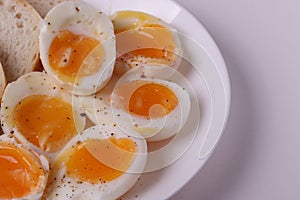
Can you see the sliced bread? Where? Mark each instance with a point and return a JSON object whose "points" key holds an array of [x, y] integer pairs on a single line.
{"points": [[43, 6], [19, 31]]}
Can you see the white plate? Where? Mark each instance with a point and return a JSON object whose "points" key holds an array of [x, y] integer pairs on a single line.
{"points": [[205, 70]]}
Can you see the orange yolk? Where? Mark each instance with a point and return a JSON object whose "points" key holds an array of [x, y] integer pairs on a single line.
{"points": [[137, 34], [45, 121], [98, 160], [125, 20], [72, 56], [151, 41], [19, 171], [148, 95]]}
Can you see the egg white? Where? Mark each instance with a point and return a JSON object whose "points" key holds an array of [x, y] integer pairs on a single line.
{"points": [[63, 187], [95, 24], [34, 83], [97, 107]]}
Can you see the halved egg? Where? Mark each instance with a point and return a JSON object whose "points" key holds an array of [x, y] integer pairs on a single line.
{"points": [[40, 113], [100, 163], [23, 172], [144, 39], [150, 107], [77, 47]]}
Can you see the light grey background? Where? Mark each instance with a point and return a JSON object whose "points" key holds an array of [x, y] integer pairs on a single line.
{"points": [[258, 156]]}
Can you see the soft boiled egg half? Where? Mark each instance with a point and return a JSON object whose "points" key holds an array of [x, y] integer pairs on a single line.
{"points": [[145, 39], [150, 107], [100, 163], [38, 112], [77, 47], [23, 172]]}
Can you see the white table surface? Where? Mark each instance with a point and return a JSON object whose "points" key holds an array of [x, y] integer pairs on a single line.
{"points": [[258, 156]]}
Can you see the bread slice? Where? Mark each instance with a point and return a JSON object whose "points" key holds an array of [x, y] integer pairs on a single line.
{"points": [[2, 82], [43, 6], [19, 31]]}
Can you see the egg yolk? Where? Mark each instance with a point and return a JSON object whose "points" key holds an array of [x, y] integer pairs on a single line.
{"points": [[72, 56], [100, 160], [137, 34], [45, 121], [148, 95], [19, 172]]}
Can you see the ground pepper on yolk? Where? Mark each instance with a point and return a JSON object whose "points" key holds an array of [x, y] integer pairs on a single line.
{"points": [[73, 56], [100, 160], [45, 121]]}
